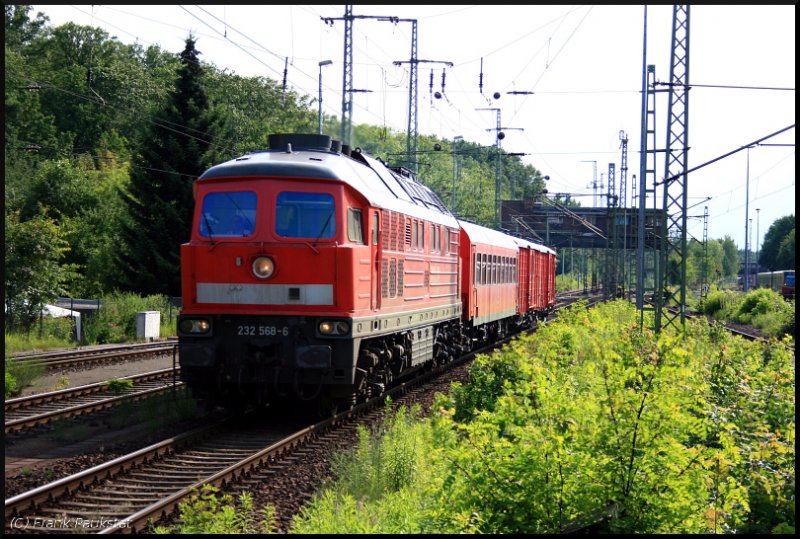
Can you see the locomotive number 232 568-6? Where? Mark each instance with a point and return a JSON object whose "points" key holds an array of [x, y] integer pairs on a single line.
{"points": [[262, 331]]}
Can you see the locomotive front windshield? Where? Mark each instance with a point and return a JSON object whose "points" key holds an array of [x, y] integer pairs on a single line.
{"points": [[305, 215], [228, 215]]}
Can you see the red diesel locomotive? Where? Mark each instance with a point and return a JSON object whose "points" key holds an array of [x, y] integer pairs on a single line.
{"points": [[317, 273]]}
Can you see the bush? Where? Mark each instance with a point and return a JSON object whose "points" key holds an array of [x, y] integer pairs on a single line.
{"points": [[718, 302], [205, 513], [9, 386], [115, 322], [20, 374], [118, 386], [759, 301]]}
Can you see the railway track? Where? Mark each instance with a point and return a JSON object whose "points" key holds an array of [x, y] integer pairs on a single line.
{"points": [[146, 486], [94, 355], [34, 410]]}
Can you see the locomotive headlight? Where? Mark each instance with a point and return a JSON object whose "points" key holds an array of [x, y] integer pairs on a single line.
{"points": [[263, 267], [194, 325], [333, 327]]}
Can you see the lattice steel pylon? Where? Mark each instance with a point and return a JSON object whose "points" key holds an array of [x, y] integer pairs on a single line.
{"points": [[623, 206], [611, 278], [647, 267], [347, 79], [673, 254], [704, 275]]}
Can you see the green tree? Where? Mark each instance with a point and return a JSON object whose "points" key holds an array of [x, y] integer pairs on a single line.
{"points": [[730, 259], [770, 256], [160, 199], [20, 30], [33, 270], [785, 258], [250, 109], [697, 257]]}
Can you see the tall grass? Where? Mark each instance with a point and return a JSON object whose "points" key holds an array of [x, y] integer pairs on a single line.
{"points": [[47, 334], [19, 375]]}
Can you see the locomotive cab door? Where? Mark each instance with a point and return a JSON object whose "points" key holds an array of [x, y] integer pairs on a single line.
{"points": [[376, 262]]}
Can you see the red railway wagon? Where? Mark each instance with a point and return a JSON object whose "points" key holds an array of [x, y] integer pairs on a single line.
{"points": [[536, 292], [549, 277], [489, 279], [544, 281]]}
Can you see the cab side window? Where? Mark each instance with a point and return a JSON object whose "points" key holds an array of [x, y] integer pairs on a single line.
{"points": [[355, 229]]}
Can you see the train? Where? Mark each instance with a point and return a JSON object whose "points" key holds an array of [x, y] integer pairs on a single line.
{"points": [[316, 273], [781, 281]]}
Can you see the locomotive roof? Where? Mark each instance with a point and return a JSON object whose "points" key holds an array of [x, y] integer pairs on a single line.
{"points": [[381, 186], [481, 234]]}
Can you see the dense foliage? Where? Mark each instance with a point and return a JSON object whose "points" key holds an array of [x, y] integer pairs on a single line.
{"points": [[103, 141], [761, 308], [777, 252], [590, 424]]}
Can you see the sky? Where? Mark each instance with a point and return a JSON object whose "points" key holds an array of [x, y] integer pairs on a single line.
{"points": [[583, 65]]}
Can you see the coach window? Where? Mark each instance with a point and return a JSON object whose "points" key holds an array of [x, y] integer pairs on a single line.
{"points": [[228, 214], [355, 230], [483, 268], [499, 269], [305, 215]]}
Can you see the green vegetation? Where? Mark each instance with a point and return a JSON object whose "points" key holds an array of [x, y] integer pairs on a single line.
{"points": [[119, 386], [777, 253], [761, 308], [588, 425], [9, 385], [19, 374], [567, 283], [115, 322], [98, 191], [63, 383], [205, 513], [47, 333]]}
